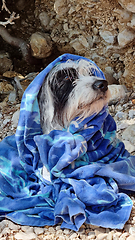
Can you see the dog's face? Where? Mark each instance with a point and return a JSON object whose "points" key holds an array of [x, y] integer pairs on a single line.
{"points": [[71, 90]]}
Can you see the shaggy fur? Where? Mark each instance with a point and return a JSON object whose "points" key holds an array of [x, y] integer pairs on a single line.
{"points": [[70, 90]]}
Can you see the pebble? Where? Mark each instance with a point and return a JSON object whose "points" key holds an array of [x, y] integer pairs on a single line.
{"points": [[131, 113], [38, 230], [132, 237], [129, 134], [102, 236], [129, 146], [24, 236]]}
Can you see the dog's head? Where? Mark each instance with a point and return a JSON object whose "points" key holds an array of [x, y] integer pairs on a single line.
{"points": [[71, 89]]}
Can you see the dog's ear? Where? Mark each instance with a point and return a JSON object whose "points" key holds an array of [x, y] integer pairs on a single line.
{"points": [[61, 86]]}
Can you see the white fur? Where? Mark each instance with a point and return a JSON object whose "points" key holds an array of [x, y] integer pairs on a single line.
{"points": [[83, 100]]}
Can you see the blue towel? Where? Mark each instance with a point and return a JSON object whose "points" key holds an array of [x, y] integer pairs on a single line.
{"points": [[90, 170]]}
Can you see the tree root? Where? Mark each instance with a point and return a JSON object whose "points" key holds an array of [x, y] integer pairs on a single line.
{"points": [[21, 44]]}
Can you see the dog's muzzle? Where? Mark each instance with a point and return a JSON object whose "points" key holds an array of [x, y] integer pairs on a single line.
{"points": [[101, 85]]}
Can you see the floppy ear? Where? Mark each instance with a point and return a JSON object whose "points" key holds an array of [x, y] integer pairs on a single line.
{"points": [[46, 106]]}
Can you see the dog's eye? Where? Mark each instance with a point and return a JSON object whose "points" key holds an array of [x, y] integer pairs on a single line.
{"points": [[69, 74]]}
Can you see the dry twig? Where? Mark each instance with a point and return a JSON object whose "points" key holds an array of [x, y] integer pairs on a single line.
{"points": [[10, 19], [13, 15], [4, 6]]}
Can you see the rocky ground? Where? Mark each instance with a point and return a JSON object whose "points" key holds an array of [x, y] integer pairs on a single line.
{"points": [[124, 114]]}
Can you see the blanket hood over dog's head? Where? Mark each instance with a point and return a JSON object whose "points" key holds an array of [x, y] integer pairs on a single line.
{"points": [[29, 102]]}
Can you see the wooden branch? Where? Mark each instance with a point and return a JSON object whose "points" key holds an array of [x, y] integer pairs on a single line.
{"points": [[10, 19]]}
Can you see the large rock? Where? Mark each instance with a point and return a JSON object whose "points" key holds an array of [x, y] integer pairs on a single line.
{"points": [[129, 134], [118, 92], [5, 62], [60, 7], [108, 36], [128, 4], [41, 45], [125, 37]]}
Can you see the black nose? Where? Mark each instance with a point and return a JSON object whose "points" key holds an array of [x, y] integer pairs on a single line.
{"points": [[101, 85]]}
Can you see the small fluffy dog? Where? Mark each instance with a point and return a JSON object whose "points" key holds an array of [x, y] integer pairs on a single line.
{"points": [[70, 90]]}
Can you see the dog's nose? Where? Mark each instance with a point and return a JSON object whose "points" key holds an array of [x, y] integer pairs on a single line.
{"points": [[101, 85]]}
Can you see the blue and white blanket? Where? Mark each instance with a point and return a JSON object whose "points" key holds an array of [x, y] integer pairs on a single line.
{"points": [[90, 170]]}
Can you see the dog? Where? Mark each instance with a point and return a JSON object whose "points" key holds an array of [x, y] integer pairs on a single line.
{"points": [[71, 90]]}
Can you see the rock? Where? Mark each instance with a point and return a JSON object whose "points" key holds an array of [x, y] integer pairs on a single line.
{"points": [[14, 226], [41, 45], [110, 236], [129, 134], [15, 118], [132, 237], [121, 115], [102, 236], [25, 236], [5, 62], [38, 230], [78, 47], [122, 125], [131, 113], [132, 23], [125, 37], [117, 92], [107, 36], [128, 4], [3, 224], [60, 7], [129, 146], [5, 87], [44, 19], [12, 97], [83, 41]]}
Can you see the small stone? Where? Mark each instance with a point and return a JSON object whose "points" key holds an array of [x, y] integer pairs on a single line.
{"points": [[122, 125], [132, 237], [102, 236], [110, 236], [5, 62], [73, 236], [125, 37], [38, 230], [44, 19], [129, 134], [132, 230], [15, 118], [41, 45], [57, 228], [120, 115], [83, 41], [51, 229], [124, 236], [107, 36], [13, 226], [131, 113], [60, 7], [129, 146], [12, 97], [24, 236], [5, 231], [99, 230], [27, 229], [95, 30], [129, 5], [6, 121], [118, 92], [66, 231]]}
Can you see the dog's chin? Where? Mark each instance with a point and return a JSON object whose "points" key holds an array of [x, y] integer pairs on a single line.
{"points": [[85, 110]]}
